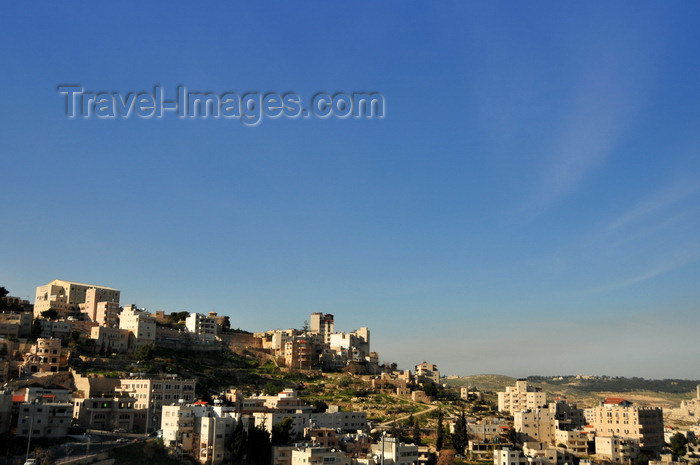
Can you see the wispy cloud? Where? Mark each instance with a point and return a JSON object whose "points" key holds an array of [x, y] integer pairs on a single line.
{"points": [[683, 256], [602, 104], [666, 197]]}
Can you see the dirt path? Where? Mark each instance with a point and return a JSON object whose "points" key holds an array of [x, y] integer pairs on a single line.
{"points": [[386, 424]]}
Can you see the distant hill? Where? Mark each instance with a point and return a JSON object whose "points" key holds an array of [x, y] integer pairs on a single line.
{"points": [[588, 391], [619, 384], [484, 383]]}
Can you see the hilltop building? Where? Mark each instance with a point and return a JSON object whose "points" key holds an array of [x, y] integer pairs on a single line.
{"points": [[204, 326], [141, 325], [427, 372], [66, 296], [323, 326]]}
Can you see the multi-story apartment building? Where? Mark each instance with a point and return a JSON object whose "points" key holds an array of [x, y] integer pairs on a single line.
{"points": [[202, 325], [546, 454], [151, 394], [393, 452], [316, 455], [105, 413], [618, 417], [348, 422], [488, 429], [105, 313], [324, 437], [298, 353], [354, 346], [200, 429], [141, 325], [507, 456], [427, 372], [111, 339], [44, 419], [322, 325], [286, 400], [535, 425], [575, 442], [616, 449], [87, 386], [44, 356], [465, 392], [66, 296], [178, 426], [520, 397], [214, 432], [567, 417], [15, 324], [59, 329], [55, 393], [543, 424]]}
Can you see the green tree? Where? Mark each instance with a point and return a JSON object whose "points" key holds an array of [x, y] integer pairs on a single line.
{"points": [[430, 389], [319, 406], [395, 430], [439, 441], [410, 422], [176, 317], [36, 329], [459, 437], [50, 314], [679, 445], [145, 352], [281, 432], [271, 389], [238, 444], [415, 433], [512, 436], [3, 294], [258, 450]]}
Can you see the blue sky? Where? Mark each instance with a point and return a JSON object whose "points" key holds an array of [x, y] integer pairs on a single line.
{"points": [[528, 204]]}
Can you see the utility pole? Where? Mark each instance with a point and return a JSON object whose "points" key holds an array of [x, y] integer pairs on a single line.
{"points": [[383, 434], [29, 441]]}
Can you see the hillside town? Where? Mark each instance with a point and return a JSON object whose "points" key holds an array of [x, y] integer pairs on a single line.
{"points": [[78, 365]]}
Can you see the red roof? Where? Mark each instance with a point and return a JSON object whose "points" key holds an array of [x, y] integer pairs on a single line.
{"points": [[201, 402], [614, 400], [18, 398]]}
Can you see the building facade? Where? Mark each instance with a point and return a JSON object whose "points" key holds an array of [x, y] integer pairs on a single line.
{"points": [[66, 296], [520, 397], [152, 393], [618, 417]]}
